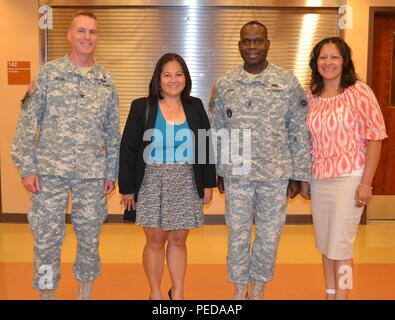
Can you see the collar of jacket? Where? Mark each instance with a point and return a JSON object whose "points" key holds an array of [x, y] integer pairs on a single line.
{"points": [[243, 77], [70, 67]]}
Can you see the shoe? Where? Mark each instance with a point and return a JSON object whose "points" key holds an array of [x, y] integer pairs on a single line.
{"points": [[85, 290], [169, 293], [330, 294], [47, 294]]}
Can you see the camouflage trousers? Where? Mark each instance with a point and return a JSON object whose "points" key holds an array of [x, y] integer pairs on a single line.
{"points": [[47, 222], [268, 200]]}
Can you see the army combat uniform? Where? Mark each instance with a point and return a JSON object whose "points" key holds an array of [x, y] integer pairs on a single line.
{"points": [[273, 106], [68, 135]]}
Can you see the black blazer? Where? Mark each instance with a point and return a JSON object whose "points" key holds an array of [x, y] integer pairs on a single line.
{"points": [[132, 164]]}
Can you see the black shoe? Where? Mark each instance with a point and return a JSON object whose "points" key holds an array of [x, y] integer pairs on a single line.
{"points": [[169, 293]]}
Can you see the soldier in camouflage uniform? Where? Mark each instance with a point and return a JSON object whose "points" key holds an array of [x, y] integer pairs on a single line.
{"points": [[67, 140], [269, 102]]}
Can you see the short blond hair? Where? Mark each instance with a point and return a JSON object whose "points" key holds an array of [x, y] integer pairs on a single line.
{"points": [[83, 13]]}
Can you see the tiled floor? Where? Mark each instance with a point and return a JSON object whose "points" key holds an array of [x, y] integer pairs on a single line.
{"points": [[298, 273]]}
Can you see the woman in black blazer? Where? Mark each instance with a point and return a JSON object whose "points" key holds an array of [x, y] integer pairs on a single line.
{"points": [[165, 170]]}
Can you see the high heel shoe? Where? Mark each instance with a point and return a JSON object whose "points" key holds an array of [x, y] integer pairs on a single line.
{"points": [[169, 293]]}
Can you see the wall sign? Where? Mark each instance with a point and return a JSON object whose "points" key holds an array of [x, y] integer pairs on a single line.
{"points": [[18, 72]]}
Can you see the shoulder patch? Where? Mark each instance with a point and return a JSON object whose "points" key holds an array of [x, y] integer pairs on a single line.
{"points": [[32, 87], [25, 99], [30, 91]]}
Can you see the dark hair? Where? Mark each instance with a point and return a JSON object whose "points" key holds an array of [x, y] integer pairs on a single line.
{"points": [[348, 78], [252, 23], [154, 86]]}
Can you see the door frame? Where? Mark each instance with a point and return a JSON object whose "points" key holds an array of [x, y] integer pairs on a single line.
{"points": [[369, 76], [372, 13]]}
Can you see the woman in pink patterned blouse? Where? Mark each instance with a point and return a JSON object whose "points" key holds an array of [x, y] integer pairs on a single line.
{"points": [[346, 128]]}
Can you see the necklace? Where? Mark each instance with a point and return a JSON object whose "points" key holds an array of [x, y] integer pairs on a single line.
{"points": [[177, 114]]}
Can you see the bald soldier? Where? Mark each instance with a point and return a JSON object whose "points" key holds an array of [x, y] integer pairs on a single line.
{"points": [[67, 140], [267, 101]]}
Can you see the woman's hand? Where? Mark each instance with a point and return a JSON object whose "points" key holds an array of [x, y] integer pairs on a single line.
{"points": [[220, 184], [208, 195], [372, 157], [128, 201], [363, 195]]}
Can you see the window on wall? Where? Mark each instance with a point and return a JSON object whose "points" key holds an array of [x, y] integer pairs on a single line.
{"points": [[132, 39]]}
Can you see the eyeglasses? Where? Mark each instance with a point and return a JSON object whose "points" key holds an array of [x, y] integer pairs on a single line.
{"points": [[168, 75]]}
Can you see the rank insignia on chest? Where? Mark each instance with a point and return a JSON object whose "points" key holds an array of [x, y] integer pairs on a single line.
{"points": [[103, 81], [229, 112]]}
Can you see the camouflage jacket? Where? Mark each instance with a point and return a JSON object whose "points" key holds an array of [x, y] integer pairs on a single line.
{"points": [[69, 124], [273, 106]]}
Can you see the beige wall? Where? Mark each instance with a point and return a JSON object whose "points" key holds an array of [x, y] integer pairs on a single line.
{"points": [[19, 41]]}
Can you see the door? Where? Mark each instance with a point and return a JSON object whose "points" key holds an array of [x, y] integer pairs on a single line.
{"points": [[383, 78]]}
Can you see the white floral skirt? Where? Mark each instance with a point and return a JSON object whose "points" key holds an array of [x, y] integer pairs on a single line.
{"points": [[168, 198]]}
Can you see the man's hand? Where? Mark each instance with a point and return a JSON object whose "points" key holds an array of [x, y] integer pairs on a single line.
{"points": [[31, 183], [293, 188], [220, 184], [305, 190], [109, 186], [128, 201]]}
